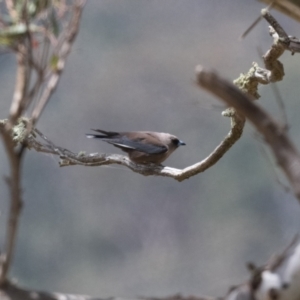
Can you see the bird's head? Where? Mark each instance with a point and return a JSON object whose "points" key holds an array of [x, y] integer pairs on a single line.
{"points": [[176, 142]]}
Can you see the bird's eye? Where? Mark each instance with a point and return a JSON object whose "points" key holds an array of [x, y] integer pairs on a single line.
{"points": [[175, 142]]}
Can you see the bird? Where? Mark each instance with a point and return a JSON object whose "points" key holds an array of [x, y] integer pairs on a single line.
{"points": [[142, 147]]}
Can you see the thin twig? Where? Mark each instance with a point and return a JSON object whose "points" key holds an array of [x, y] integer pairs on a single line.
{"points": [[70, 35], [22, 81], [249, 29]]}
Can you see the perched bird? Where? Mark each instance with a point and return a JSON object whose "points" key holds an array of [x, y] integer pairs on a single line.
{"points": [[143, 147]]}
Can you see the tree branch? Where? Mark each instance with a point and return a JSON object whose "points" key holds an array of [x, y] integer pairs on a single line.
{"points": [[14, 183], [38, 141], [61, 56], [22, 81], [282, 147], [20, 102], [289, 7]]}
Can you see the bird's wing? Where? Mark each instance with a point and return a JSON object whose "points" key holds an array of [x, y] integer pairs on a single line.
{"points": [[139, 144]]}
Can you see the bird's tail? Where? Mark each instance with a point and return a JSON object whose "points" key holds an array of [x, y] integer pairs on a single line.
{"points": [[106, 134], [95, 136]]}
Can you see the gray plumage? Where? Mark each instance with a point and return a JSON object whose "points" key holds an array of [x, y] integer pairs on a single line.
{"points": [[143, 147]]}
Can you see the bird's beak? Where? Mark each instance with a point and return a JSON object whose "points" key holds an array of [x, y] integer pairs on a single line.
{"points": [[181, 143]]}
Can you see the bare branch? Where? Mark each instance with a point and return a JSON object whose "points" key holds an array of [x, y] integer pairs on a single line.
{"points": [[68, 158], [289, 7], [15, 201], [21, 101], [289, 42], [255, 23], [70, 35], [22, 81], [282, 147]]}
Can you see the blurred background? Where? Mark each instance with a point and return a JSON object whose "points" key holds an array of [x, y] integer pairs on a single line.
{"points": [[107, 231]]}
